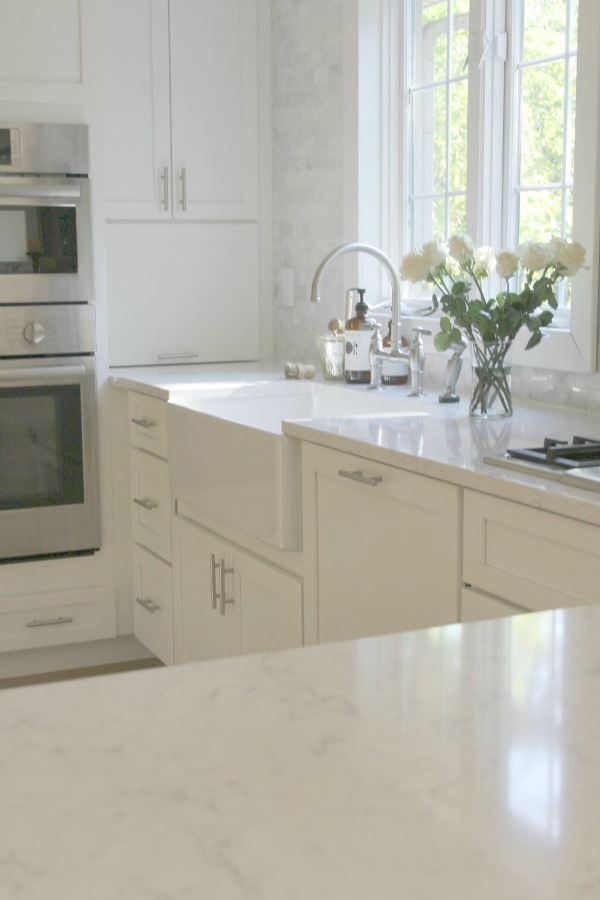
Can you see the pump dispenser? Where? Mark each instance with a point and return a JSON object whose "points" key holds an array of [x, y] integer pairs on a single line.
{"points": [[357, 335]]}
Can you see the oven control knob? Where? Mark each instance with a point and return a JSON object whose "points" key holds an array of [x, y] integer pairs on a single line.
{"points": [[34, 333]]}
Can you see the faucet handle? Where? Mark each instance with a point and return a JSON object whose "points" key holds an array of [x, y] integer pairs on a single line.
{"points": [[419, 331]]}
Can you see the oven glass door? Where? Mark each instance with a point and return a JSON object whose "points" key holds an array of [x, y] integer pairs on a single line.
{"points": [[45, 240], [49, 496], [41, 448], [38, 239]]}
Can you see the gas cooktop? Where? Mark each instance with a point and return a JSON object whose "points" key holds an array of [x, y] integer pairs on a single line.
{"points": [[575, 463]]}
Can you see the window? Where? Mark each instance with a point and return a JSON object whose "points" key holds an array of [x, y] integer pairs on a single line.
{"points": [[500, 140], [506, 138]]}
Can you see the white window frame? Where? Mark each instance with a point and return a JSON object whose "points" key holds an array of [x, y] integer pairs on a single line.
{"points": [[376, 94]]}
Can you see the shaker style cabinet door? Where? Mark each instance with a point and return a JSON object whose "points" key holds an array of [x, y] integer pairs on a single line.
{"points": [[181, 109], [136, 109], [381, 547]]}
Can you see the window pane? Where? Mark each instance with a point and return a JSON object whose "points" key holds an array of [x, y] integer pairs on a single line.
{"points": [[458, 215], [458, 136], [544, 24], [542, 123], [540, 215]]}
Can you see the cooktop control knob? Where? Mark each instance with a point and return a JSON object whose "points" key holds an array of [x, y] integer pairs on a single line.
{"points": [[34, 333]]}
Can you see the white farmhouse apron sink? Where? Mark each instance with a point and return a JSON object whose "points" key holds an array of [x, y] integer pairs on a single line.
{"points": [[230, 460]]}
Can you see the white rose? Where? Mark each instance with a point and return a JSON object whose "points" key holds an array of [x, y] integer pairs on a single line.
{"points": [[507, 263], [485, 258], [461, 248], [535, 255], [570, 256], [434, 254], [414, 268]]}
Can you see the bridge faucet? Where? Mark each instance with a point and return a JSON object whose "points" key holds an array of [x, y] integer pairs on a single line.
{"points": [[378, 354]]}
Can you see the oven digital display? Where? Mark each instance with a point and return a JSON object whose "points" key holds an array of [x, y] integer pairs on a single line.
{"points": [[5, 148]]}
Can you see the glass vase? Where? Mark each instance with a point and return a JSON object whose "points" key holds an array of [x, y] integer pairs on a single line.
{"points": [[491, 396]]}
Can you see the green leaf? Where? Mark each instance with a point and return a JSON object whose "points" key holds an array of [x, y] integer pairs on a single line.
{"points": [[441, 341]]}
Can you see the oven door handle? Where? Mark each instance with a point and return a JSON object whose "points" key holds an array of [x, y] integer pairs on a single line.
{"points": [[12, 188], [27, 377]]}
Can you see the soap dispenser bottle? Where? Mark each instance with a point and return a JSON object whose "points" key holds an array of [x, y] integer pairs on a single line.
{"points": [[357, 336]]}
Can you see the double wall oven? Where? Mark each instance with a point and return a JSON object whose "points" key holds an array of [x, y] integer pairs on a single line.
{"points": [[49, 485]]}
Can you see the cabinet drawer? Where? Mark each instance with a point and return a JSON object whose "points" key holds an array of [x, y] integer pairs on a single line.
{"points": [[150, 503], [148, 423], [65, 617], [535, 559], [153, 603]]}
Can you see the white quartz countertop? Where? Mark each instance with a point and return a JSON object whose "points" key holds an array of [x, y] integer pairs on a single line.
{"points": [[443, 441], [457, 763]]}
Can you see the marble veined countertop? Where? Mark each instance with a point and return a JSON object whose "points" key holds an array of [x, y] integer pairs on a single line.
{"points": [[457, 763], [442, 441]]}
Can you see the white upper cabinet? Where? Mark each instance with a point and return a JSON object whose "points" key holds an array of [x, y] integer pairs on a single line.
{"points": [[181, 109], [48, 51]]}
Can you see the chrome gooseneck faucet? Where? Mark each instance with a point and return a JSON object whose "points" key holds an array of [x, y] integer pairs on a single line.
{"points": [[378, 353]]}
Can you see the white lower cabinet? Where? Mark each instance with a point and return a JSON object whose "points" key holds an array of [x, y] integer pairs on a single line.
{"points": [[381, 547], [50, 619], [527, 557], [227, 602], [153, 603]]}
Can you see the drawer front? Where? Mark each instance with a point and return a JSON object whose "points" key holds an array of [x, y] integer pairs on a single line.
{"points": [[148, 424], [534, 559], [65, 617], [153, 604], [150, 503]]}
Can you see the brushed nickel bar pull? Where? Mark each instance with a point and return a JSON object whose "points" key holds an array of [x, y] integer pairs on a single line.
{"points": [[165, 181], [183, 178], [224, 600], [187, 354], [146, 504], [144, 423], [41, 623], [214, 565], [371, 480], [150, 605]]}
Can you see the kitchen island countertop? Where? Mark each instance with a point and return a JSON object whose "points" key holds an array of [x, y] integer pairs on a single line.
{"points": [[457, 762]]}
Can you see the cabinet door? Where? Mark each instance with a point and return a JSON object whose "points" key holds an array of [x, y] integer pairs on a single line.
{"points": [[182, 293], [204, 621], [381, 547], [214, 104], [269, 606], [136, 106], [529, 557], [49, 51], [153, 605]]}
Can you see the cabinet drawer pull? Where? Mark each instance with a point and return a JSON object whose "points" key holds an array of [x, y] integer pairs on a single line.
{"points": [[224, 600], [165, 181], [147, 504], [371, 480], [183, 178], [41, 623], [214, 565], [144, 423], [150, 605]]}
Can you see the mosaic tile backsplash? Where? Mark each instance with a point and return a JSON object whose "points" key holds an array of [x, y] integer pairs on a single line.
{"points": [[308, 197]]}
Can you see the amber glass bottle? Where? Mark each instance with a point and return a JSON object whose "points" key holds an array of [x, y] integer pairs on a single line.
{"points": [[357, 336]]}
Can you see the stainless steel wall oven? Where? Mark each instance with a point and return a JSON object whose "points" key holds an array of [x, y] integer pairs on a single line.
{"points": [[45, 215], [49, 483]]}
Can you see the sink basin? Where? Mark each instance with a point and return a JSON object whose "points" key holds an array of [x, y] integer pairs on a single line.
{"points": [[230, 460]]}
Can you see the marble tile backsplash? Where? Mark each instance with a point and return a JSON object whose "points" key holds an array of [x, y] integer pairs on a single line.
{"points": [[308, 198]]}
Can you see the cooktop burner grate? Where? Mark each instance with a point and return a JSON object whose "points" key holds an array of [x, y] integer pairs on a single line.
{"points": [[579, 453]]}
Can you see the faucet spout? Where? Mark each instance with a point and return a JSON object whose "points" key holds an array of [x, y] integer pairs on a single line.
{"points": [[394, 280]]}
